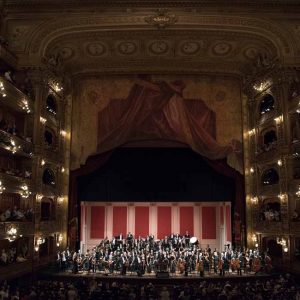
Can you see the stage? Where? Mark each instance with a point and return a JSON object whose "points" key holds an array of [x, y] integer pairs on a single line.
{"points": [[209, 222], [147, 278]]}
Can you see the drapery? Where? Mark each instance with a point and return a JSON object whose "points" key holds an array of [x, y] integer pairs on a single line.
{"points": [[158, 111]]}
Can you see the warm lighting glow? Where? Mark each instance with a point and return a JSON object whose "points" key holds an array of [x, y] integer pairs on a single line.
{"points": [[282, 197], [285, 249], [25, 192], [12, 233], [298, 192], [63, 133], [2, 89], [279, 162], [279, 119], [256, 245], [42, 162], [25, 105], [254, 238], [262, 85], [60, 199], [251, 132], [251, 170], [2, 188], [36, 248], [254, 200], [57, 244], [39, 197], [62, 169], [43, 120], [57, 87]]}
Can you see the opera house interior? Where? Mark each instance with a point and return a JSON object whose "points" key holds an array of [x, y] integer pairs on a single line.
{"points": [[149, 149]]}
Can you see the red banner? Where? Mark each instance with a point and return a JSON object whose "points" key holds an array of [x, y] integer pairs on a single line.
{"points": [[187, 220], [141, 221], [209, 222], [97, 222], [164, 224]]}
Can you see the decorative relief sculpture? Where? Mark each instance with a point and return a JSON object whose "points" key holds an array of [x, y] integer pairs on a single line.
{"points": [[161, 19]]}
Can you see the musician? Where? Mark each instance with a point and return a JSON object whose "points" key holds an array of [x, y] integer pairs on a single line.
{"points": [[187, 238], [58, 261], [124, 264], [75, 263]]}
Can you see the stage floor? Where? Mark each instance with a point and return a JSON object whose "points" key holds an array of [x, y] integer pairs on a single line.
{"points": [[151, 277]]}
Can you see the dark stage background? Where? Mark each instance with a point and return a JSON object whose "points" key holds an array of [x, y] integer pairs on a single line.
{"points": [[156, 174]]}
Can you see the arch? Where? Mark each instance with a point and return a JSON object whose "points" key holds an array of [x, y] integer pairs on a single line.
{"points": [[269, 177], [54, 28], [51, 105], [48, 177], [267, 104]]}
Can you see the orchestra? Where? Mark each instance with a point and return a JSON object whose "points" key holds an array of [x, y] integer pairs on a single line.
{"points": [[175, 254]]}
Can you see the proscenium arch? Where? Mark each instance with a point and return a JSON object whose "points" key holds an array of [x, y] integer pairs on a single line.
{"points": [[40, 39]]}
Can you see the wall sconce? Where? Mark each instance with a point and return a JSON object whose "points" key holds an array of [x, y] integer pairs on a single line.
{"points": [[254, 200], [12, 233], [283, 243], [43, 120], [63, 133], [254, 238], [25, 192], [39, 197], [62, 169], [297, 193], [42, 162], [57, 87], [38, 241], [279, 119], [251, 132], [279, 162], [262, 85], [2, 90], [251, 170], [60, 200], [2, 188], [59, 239], [282, 197], [25, 105]]}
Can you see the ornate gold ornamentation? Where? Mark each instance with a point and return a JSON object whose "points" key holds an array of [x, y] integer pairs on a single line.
{"points": [[161, 20]]}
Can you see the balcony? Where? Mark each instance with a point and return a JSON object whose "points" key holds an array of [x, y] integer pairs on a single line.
{"points": [[12, 97], [10, 143]]}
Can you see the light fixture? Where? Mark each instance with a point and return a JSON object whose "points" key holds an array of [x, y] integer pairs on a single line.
{"points": [[251, 170], [254, 200], [42, 162], [2, 90], [251, 132], [43, 120], [39, 197], [283, 243], [256, 245], [279, 162], [279, 119], [254, 238], [262, 85], [298, 192], [60, 199], [282, 197], [63, 133], [25, 192], [59, 239], [62, 169], [12, 233], [36, 248], [25, 105], [2, 188]]}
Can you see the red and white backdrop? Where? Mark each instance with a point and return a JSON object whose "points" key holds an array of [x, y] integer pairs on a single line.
{"points": [[210, 222]]}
